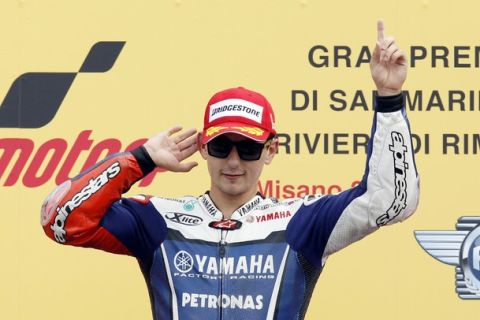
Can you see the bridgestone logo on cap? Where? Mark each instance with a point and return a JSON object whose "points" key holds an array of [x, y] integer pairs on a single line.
{"points": [[236, 108]]}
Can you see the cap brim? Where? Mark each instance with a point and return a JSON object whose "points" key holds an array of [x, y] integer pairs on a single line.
{"points": [[251, 132]]}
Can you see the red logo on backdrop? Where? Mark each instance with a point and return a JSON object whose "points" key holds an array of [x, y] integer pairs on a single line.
{"points": [[32, 102], [48, 158]]}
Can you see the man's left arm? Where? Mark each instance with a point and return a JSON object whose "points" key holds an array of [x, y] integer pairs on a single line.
{"points": [[389, 190]]}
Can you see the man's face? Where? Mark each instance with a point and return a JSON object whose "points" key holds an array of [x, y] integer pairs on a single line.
{"points": [[233, 176]]}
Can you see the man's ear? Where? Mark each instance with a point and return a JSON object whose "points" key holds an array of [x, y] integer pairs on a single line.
{"points": [[201, 147], [271, 151]]}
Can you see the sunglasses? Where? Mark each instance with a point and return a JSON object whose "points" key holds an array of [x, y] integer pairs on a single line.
{"points": [[248, 150]]}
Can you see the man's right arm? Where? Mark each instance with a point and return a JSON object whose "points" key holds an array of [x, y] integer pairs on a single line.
{"points": [[88, 210]]}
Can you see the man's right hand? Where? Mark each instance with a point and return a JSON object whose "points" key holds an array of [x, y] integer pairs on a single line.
{"points": [[168, 151]]}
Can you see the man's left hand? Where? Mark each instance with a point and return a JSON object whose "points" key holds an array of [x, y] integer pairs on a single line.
{"points": [[388, 65]]}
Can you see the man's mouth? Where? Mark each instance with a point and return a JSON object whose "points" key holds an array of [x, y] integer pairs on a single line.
{"points": [[232, 176]]}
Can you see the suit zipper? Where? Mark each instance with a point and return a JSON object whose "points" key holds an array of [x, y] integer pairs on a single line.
{"points": [[221, 251]]}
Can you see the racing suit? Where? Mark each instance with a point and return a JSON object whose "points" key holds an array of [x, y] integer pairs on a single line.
{"points": [[262, 263]]}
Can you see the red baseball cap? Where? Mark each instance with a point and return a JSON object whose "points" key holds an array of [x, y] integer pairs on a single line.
{"points": [[241, 111]]}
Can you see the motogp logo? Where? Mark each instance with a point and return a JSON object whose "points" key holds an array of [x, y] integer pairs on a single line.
{"points": [[35, 97], [183, 261]]}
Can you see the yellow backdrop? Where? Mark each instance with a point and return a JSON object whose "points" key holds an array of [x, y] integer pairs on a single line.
{"points": [[177, 53]]}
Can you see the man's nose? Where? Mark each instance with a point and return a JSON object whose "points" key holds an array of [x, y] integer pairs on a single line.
{"points": [[233, 158]]}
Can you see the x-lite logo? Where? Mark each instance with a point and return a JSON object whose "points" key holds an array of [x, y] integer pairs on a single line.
{"points": [[35, 97], [184, 218]]}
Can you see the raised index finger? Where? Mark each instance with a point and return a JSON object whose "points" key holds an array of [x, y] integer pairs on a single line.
{"points": [[380, 28]]}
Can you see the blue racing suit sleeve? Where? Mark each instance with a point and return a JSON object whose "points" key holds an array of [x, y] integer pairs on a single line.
{"points": [[388, 192], [139, 226]]}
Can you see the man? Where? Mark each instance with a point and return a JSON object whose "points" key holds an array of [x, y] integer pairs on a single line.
{"points": [[230, 253]]}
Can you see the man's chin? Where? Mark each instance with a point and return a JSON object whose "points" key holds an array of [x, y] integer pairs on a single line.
{"points": [[233, 190]]}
